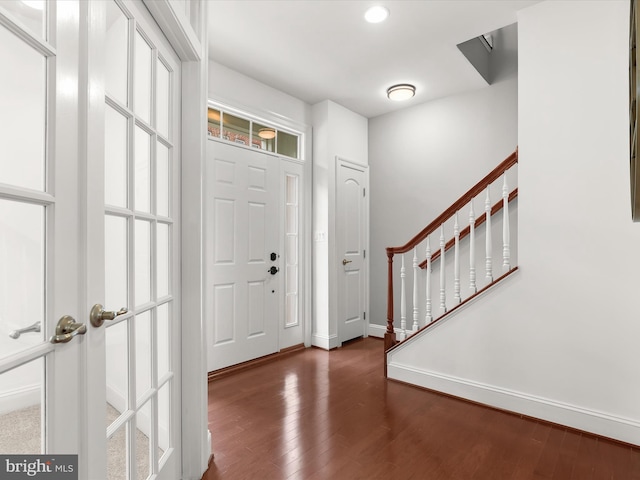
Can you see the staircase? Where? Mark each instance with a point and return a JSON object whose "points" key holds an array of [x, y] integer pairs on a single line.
{"points": [[454, 275]]}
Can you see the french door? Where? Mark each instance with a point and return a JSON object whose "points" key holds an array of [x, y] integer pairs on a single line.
{"points": [[89, 203]]}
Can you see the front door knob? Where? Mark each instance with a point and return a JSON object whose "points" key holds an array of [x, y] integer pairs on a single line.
{"points": [[273, 270]]}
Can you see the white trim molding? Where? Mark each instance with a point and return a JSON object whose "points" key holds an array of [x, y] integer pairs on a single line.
{"points": [[327, 342], [378, 331], [600, 423]]}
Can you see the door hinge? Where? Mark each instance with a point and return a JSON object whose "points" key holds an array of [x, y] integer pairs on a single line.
{"points": [[364, 192], [364, 315], [364, 254]]}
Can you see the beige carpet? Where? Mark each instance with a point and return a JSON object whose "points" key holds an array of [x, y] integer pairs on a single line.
{"points": [[20, 433]]}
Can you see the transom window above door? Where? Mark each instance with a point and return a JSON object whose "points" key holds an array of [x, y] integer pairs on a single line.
{"points": [[255, 134]]}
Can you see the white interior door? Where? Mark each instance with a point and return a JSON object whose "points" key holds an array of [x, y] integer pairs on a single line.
{"points": [[351, 241], [39, 232], [244, 280], [77, 230], [139, 252]]}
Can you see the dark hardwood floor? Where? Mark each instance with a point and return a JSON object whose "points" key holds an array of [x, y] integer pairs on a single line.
{"points": [[331, 415]]}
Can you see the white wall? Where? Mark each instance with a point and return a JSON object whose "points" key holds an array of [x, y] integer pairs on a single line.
{"points": [[559, 340], [240, 91], [343, 133], [425, 157]]}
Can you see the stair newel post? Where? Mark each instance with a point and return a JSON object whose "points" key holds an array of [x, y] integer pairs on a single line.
{"points": [[390, 334], [427, 317], [414, 327], [456, 260], [472, 249], [488, 250], [403, 300], [443, 295], [506, 253]]}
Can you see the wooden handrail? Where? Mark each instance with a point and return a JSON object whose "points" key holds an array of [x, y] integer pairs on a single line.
{"points": [[492, 176], [511, 160], [465, 231]]}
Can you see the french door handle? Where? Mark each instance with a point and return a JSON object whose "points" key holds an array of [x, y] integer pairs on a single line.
{"points": [[98, 314], [31, 328], [66, 329]]}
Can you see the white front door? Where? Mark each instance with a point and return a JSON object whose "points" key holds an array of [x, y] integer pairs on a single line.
{"points": [[243, 257], [89, 204], [351, 241]]}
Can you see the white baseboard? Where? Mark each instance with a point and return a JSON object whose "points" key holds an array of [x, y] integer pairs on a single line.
{"points": [[19, 398], [379, 331], [326, 342], [600, 423]]}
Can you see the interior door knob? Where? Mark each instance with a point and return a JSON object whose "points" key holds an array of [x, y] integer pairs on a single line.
{"points": [[66, 329], [98, 314], [345, 261], [273, 270]]}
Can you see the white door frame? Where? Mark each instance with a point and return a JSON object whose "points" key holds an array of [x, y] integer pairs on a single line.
{"points": [[342, 162], [305, 132]]}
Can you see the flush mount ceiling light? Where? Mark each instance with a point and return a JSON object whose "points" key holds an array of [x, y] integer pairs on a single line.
{"points": [[402, 91], [376, 14], [267, 133]]}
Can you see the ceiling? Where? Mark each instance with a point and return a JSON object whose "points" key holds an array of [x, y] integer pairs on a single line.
{"points": [[323, 49]]}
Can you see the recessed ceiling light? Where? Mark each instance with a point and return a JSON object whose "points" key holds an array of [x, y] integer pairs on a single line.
{"points": [[402, 91], [376, 14]]}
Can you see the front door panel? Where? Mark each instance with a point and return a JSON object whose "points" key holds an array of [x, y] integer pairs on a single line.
{"points": [[243, 224]]}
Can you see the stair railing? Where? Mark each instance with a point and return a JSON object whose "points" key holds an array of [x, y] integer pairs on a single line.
{"points": [[451, 216]]}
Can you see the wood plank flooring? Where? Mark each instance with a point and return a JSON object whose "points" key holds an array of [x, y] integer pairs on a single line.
{"points": [[319, 415]]}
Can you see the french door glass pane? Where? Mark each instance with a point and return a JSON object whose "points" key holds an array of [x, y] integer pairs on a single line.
{"points": [[144, 420], [142, 79], [163, 352], [22, 299], [115, 158], [116, 459], [162, 98], [162, 265], [164, 419], [143, 353], [22, 113], [21, 410], [143, 170], [31, 13], [143, 262], [115, 262], [117, 359], [162, 180], [117, 53]]}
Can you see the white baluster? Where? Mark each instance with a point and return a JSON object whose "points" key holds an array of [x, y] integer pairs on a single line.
{"points": [[472, 249], [427, 317], [456, 260], [506, 253], [416, 267], [403, 302], [487, 211], [443, 295]]}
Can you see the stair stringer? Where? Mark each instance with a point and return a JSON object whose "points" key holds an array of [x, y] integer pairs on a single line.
{"points": [[436, 358]]}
